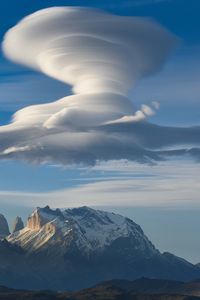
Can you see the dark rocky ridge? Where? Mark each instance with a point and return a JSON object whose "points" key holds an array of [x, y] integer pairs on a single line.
{"points": [[4, 229], [18, 224]]}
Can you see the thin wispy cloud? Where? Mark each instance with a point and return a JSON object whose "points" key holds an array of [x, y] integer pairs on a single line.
{"points": [[130, 185]]}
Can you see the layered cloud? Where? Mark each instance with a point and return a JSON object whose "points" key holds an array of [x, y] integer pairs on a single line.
{"points": [[101, 56]]}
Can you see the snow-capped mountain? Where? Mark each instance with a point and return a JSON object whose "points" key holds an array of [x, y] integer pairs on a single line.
{"points": [[90, 230], [79, 247]]}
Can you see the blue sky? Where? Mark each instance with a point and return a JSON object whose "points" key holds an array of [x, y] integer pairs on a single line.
{"points": [[176, 87]]}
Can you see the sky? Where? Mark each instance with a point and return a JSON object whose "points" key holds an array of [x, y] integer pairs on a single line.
{"points": [[155, 180]]}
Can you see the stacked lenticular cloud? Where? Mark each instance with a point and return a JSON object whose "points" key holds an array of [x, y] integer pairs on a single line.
{"points": [[101, 56]]}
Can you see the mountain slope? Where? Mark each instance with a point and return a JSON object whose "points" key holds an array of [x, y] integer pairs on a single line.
{"points": [[80, 247]]}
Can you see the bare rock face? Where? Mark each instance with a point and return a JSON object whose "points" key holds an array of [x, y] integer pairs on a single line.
{"points": [[36, 221], [18, 224], [4, 229]]}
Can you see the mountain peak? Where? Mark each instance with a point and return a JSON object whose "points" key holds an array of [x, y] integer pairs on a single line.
{"points": [[85, 228], [4, 229], [36, 220], [18, 224]]}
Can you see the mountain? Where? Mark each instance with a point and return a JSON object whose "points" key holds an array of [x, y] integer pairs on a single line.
{"points": [[4, 229], [18, 224], [77, 248], [86, 230]]}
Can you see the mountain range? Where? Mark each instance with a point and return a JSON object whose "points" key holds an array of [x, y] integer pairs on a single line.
{"points": [[76, 248]]}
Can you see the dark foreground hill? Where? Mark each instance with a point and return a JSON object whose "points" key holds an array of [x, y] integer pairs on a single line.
{"points": [[155, 286], [141, 289], [77, 248]]}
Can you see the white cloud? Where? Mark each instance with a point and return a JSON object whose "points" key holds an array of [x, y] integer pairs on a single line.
{"points": [[101, 56]]}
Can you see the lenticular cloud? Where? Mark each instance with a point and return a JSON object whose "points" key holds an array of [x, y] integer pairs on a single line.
{"points": [[101, 56]]}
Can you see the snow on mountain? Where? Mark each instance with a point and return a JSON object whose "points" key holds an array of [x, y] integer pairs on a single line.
{"points": [[90, 230], [77, 248]]}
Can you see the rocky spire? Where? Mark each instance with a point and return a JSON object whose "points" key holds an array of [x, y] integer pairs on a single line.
{"points": [[4, 229], [18, 224], [37, 219]]}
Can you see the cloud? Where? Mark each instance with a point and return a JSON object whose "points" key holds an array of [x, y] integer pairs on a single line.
{"points": [[169, 185], [101, 56]]}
